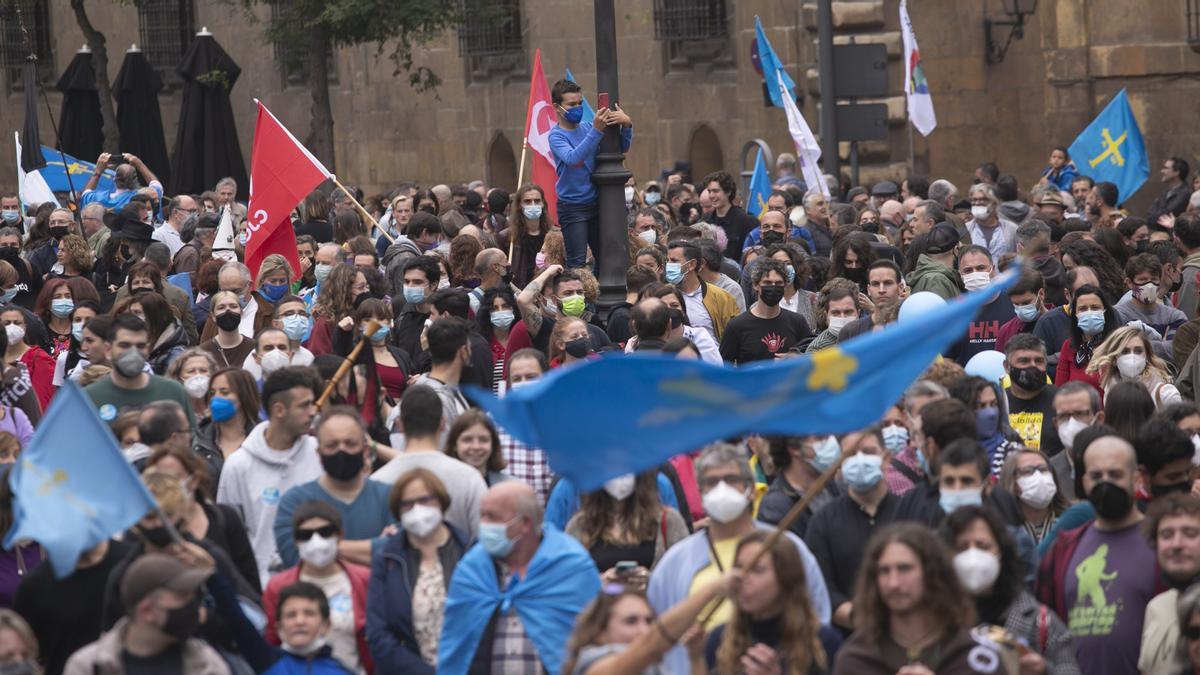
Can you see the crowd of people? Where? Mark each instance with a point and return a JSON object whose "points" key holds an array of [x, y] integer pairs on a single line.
{"points": [[1030, 505]]}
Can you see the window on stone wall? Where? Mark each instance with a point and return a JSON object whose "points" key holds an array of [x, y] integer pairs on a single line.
{"points": [[694, 33], [13, 46], [166, 29], [489, 38], [290, 54]]}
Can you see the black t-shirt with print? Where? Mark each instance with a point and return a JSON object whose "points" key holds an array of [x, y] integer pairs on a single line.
{"points": [[748, 338]]}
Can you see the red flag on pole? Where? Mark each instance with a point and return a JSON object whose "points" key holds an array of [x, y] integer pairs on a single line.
{"points": [[539, 120], [282, 173]]}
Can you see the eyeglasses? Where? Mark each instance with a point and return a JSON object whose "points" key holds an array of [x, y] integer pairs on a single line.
{"points": [[734, 481], [1026, 471], [1084, 416], [326, 532], [426, 500]]}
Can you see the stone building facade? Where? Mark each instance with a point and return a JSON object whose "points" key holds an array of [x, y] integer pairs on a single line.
{"points": [[697, 98]]}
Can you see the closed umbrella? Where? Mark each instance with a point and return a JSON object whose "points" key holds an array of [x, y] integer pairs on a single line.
{"points": [[80, 126], [206, 144], [138, 116]]}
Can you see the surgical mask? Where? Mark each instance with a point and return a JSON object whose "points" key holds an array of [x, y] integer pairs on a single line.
{"points": [[724, 504], [648, 236], [443, 284], [1037, 489], [62, 307], [380, 334], [923, 463], [273, 292], [621, 487], [1195, 449], [987, 421], [629, 195], [273, 361], [1147, 293], [414, 295], [8, 296], [15, 333], [196, 386], [573, 305], [296, 326], [950, 500], [318, 643], [539, 260], [653, 197], [976, 280], [977, 570], [532, 212], [573, 115], [228, 320], [130, 363], [221, 409], [674, 272], [979, 212], [1131, 365], [11, 217], [791, 274], [551, 307], [837, 323], [502, 318], [862, 472], [493, 537], [1091, 322], [318, 551], [421, 520], [1026, 313], [77, 331], [1067, 431], [321, 271], [825, 453], [895, 438], [243, 238]]}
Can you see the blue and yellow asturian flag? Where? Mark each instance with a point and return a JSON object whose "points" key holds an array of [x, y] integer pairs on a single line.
{"points": [[760, 188], [625, 414], [1111, 150]]}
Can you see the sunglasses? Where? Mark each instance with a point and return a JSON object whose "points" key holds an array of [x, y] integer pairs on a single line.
{"points": [[326, 532]]}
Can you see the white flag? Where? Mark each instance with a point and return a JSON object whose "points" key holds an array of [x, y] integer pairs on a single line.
{"points": [[916, 87], [32, 187], [807, 149]]}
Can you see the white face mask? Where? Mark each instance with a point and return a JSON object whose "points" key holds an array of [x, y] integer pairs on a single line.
{"points": [[274, 360], [14, 332], [979, 212], [1131, 365], [196, 386], [977, 570], [1038, 489], [1068, 430], [724, 504], [837, 323], [443, 283], [1196, 449], [318, 551], [976, 280], [648, 236], [621, 487], [628, 195], [421, 520]]}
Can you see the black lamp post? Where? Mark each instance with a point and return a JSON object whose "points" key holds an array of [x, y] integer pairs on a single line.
{"points": [[610, 173]]}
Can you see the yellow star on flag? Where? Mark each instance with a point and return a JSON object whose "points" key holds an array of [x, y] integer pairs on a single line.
{"points": [[831, 369]]}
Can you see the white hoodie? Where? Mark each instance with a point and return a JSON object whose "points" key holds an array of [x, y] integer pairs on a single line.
{"points": [[253, 481]]}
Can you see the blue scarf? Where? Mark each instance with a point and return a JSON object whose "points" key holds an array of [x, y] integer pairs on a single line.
{"points": [[560, 581]]}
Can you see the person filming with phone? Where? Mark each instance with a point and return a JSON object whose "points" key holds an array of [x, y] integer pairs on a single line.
{"points": [[575, 143]]}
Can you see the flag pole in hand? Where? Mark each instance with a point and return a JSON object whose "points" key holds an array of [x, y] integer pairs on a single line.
{"points": [[512, 233], [372, 326]]}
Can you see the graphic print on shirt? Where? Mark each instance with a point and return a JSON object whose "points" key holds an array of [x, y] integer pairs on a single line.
{"points": [[1028, 426], [775, 343], [1092, 613]]}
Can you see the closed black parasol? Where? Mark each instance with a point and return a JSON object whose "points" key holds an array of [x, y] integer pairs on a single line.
{"points": [[206, 144], [138, 116], [80, 126]]}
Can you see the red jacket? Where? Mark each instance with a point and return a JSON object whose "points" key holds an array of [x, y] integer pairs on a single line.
{"points": [[41, 374], [1067, 371], [359, 575]]}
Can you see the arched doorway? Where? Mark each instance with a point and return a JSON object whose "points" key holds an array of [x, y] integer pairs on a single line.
{"points": [[704, 153], [502, 165]]}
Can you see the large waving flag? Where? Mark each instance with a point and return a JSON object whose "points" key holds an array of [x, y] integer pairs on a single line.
{"points": [[770, 65], [916, 87], [282, 173], [670, 406], [760, 188], [58, 164], [31, 186], [72, 487], [588, 113], [808, 151], [1111, 149], [539, 120]]}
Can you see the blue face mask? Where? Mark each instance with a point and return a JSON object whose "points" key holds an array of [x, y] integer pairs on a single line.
{"points": [[222, 409], [533, 212], [8, 295], [825, 453], [862, 472], [987, 421], [1090, 323], [11, 217], [273, 292], [77, 331], [674, 272], [652, 197], [573, 115], [321, 271], [924, 463], [62, 307], [502, 318], [414, 295], [895, 438], [791, 274], [1026, 313], [493, 537], [380, 334], [950, 500], [296, 326]]}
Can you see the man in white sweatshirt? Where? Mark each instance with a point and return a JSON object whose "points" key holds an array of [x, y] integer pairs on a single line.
{"points": [[277, 455]]}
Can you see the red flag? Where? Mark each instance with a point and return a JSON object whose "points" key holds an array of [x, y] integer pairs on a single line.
{"points": [[539, 120], [282, 173]]}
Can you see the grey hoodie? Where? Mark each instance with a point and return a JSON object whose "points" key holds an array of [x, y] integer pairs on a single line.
{"points": [[253, 481]]}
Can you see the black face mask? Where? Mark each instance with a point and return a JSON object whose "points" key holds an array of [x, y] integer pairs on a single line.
{"points": [[228, 320], [157, 537], [771, 237], [428, 208], [771, 295], [507, 276], [361, 298], [1030, 379], [343, 465], [59, 232], [182, 622], [579, 349], [126, 253], [856, 274], [1112, 502]]}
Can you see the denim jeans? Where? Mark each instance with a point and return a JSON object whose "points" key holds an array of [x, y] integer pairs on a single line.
{"points": [[580, 225]]}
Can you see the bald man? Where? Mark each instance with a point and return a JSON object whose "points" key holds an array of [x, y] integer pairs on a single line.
{"points": [[544, 577], [125, 181], [493, 270], [1099, 577]]}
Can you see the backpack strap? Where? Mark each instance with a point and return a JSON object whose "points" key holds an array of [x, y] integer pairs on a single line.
{"points": [[906, 471]]}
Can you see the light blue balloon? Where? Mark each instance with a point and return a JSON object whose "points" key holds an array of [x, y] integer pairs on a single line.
{"points": [[919, 303], [989, 365]]}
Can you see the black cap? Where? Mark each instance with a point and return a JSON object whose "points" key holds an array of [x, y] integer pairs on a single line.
{"points": [[942, 238]]}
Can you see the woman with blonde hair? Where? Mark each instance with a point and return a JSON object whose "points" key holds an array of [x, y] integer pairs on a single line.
{"points": [[569, 341], [554, 251], [75, 256], [1126, 354]]}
